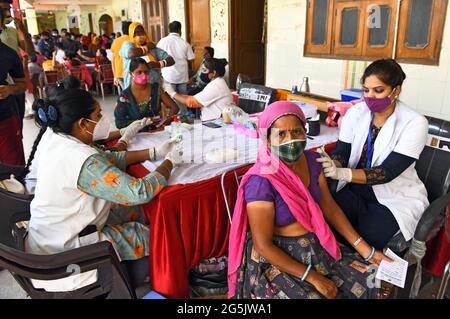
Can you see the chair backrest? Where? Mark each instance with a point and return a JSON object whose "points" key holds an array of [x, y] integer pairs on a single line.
{"points": [[433, 166], [254, 98], [106, 73], [13, 207], [50, 78], [112, 282]]}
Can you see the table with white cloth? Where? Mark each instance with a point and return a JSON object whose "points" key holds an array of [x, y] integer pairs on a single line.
{"points": [[188, 219]]}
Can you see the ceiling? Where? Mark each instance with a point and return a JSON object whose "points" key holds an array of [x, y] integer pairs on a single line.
{"points": [[60, 4]]}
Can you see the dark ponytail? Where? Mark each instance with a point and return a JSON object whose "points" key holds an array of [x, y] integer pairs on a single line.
{"points": [[218, 65], [60, 111]]}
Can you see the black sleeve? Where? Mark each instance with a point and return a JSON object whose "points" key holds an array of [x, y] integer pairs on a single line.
{"points": [[16, 70], [341, 153], [391, 168]]}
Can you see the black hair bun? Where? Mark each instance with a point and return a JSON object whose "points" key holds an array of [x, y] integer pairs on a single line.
{"points": [[224, 62]]}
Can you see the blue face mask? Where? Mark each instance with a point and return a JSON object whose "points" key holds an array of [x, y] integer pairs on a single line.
{"points": [[289, 152]]}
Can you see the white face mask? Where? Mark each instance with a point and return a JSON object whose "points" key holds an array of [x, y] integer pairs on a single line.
{"points": [[101, 130]]}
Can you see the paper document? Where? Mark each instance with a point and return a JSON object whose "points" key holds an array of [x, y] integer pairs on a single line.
{"points": [[393, 272], [146, 58]]}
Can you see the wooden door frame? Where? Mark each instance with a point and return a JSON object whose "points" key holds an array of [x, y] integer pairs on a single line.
{"points": [[187, 20], [188, 23], [231, 57]]}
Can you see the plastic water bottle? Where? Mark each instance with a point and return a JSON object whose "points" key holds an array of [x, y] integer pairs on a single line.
{"points": [[176, 128]]}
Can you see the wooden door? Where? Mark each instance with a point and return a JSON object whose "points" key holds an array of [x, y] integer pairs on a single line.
{"points": [[247, 43], [198, 29], [155, 18], [91, 23], [105, 25]]}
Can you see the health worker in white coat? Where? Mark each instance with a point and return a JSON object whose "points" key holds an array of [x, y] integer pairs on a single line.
{"points": [[82, 191], [374, 160]]}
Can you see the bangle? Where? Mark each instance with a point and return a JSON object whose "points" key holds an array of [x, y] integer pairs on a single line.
{"points": [[305, 274], [356, 243], [144, 50], [372, 253]]}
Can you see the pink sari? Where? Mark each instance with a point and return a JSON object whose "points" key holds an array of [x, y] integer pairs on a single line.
{"points": [[288, 184]]}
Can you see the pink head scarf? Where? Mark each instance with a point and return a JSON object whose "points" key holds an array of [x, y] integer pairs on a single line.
{"points": [[288, 184]]}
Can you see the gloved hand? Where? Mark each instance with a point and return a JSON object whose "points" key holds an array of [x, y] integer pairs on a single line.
{"points": [[131, 130], [331, 170], [175, 156]]}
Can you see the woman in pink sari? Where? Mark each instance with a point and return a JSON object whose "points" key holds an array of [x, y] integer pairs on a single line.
{"points": [[288, 250]]}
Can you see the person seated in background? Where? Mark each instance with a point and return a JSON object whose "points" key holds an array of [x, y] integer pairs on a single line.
{"points": [[214, 97], [74, 65], [101, 58], [196, 84], [91, 198], [85, 54], [142, 98], [58, 54], [46, 45], [47, 64], [36, 76], [280, 244], [109, 53]]}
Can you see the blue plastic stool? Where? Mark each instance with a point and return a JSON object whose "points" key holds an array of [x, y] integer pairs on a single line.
{"points": [[153, 295]]}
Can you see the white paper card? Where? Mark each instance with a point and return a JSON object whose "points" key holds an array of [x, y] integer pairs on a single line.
{"points": [[393, 272], [146, 58]]}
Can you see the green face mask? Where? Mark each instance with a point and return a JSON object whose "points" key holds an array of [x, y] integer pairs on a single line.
{"points": [[289, 152]]}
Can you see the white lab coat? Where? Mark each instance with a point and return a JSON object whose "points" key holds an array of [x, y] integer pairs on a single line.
{"points": [[404, 132], [60, 211]]}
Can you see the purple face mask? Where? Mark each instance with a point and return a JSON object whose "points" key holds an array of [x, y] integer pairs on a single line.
{"points": [[378, 105]]}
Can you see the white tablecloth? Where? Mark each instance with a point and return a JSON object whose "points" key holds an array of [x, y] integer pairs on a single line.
{"points": [[199, 141]]}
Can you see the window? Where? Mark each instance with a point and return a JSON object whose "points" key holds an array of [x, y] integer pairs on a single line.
{"points": [[365, 29], [154, 15]]}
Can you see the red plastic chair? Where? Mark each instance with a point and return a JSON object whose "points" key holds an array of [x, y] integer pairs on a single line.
{"points": [[105, 76], [77, 72], [50, 79]]}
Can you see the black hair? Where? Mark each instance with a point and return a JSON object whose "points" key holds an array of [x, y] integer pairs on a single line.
{"points": [[33, 58], [175, 26], [55, 30], [70, 104], [136, 62], [70, 54], [59, 45], [68, 82], [210, 51], [85, 47], [218, 65], [108, 46], [6, 1], [386, 70], [125, 27], [45, 34], [113, 34], [103, 53]]}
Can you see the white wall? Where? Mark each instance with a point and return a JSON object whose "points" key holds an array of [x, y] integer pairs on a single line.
{"points": [[176, 12], [426, 89]]}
